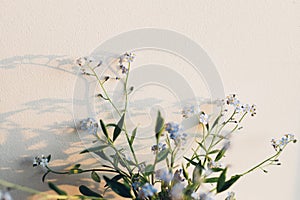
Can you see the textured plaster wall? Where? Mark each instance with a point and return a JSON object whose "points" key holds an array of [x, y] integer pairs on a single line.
{"points": [[255, 46]]}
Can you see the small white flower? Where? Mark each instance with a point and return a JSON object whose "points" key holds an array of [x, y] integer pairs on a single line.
{"points": [[176, 134], [90, 125], [188, 111], [205, 196], [232, 100], [195, 196], [126, 57], [81, 61], [41, 161], [129, 56], [249, 109], [230, 196], [177, 177], [5, 195], [203, 118], [238, 106], [87, 62], [156, 148], [147, 191], [142, 167], [246, 108], [279, 144], [164, 175]]}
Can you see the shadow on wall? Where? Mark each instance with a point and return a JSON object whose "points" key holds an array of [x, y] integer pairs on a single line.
{"points": [[43, 124], [39, 126]]}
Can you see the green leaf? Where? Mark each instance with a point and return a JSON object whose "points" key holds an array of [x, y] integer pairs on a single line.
{"points": [[94, 149], [214, 151], [103, 127], [102, 155], [76, 166], [229, 183], [190, 161], [56, 189], [115, 178], [201, 145], [95, 177], [207, 126], [185, 173], [220, 154], [159, 126], [162, 155], [149, 169], [211, 180], [216, 121], [133, 136], [221, 180], [118, 128], [88, 192], [118, 188], [217, 169]]}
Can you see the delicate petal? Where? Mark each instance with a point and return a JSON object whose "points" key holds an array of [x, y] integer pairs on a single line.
{"points": [[164, 175], [90, 125], [230, 196], [203, 118], [205, 196], [147, 191]]}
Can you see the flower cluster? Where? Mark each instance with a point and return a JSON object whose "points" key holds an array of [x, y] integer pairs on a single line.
{"points": [[238, 106], [281, 143], [126, 58], [230, 196], [175, 132], [143, 180], [147, 191], [41, 161], [90, 125], [158, 147], [188, 111], [203, 118], [164, 175], [87, 63]]}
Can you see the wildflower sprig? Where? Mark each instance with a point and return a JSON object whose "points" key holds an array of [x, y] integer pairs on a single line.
{"points": [[198, 176]]}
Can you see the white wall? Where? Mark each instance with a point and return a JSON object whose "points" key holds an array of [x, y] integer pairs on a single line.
{"points": [[255, 46]]}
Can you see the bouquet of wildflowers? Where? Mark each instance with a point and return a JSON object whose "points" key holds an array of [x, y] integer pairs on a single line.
{"points": [[199, 175]]}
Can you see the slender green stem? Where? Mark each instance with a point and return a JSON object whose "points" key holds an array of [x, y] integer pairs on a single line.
{"points": [[236, 126], [126, 102], [105, 92], [262, 163], [82, 171], [117, 110], [120, 157], [125, 110], [55, 172], [198, 147], [125, 88]]}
